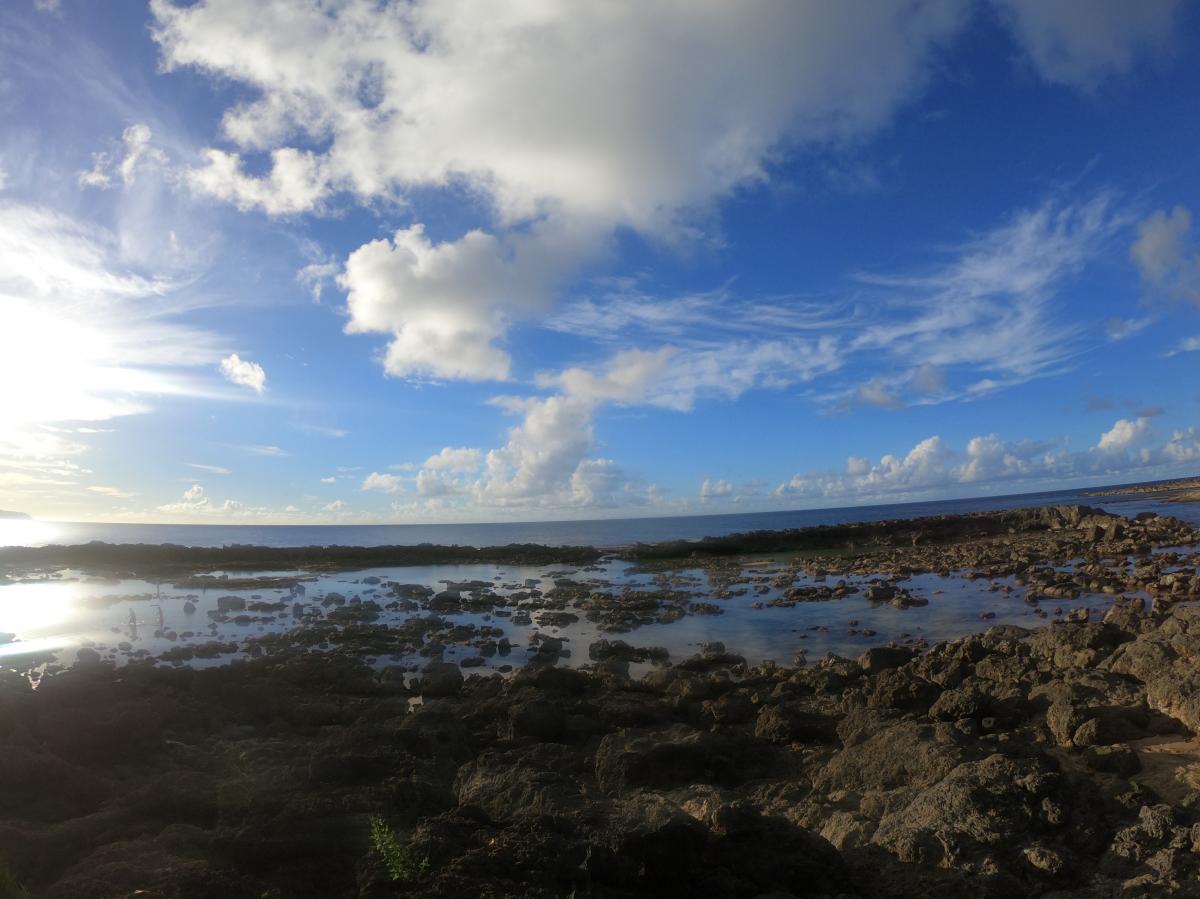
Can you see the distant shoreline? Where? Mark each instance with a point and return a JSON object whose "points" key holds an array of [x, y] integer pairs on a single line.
{"points": [[172, 560], [1180, 490]]}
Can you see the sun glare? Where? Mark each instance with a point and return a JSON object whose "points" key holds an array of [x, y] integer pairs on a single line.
{"points": [[23, 532], [34, 610]]}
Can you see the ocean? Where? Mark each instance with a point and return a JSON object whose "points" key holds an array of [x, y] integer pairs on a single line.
{"points": [[604, 533]]}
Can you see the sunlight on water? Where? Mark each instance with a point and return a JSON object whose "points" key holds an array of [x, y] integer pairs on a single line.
{"points": [[34, 647], [21, 532], [34, 610]]}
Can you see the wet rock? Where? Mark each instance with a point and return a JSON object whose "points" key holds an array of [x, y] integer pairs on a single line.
{"points": [[440, 679], [231, 603]]}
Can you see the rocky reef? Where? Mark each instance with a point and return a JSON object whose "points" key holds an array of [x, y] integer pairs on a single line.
{"points": [[1057, 762]]}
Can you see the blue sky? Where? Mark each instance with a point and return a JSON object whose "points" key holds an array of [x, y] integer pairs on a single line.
{"points": [[373, 262]]}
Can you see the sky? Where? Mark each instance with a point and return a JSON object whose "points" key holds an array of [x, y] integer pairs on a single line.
{"points": [[359, 261]]}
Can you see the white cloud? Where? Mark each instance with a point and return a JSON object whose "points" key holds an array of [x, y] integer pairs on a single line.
{"points": [[857, 465], [113, 492], [933, 467], [572, 122], [211, 469], [1187, 345], [137, 150], [314, 276], [385, 483], [454, 459], [985, 318], [447, 304], [264, 449], [988, 306], [195, 503], [329, 480], [1124, 328], [1163, 256], [990, 459], [713, 489], [297, 181], [322, 430], [1080, 43], [928, 379], [244, 373], [876, 393], [87, 339], [600, 112], [1125, 434], [1183, 447]]}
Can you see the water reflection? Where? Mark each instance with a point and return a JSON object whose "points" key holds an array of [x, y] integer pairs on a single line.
{"points": [[36, 609], [129, 619]]}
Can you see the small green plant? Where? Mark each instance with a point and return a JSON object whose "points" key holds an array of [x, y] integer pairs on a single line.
{"points": [[401, 862], [10, 887]]}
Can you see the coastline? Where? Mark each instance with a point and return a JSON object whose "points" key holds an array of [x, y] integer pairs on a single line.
{"points": [[1008, 761]]}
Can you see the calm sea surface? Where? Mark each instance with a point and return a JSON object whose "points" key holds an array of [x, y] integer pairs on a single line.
{"points": [[601, 533]]}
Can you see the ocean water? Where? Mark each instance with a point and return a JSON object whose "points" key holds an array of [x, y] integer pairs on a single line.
{"points": [[605, 533], [51, 616]]}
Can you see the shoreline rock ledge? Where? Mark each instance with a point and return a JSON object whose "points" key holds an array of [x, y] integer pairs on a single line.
{"points": [[1058, 762]]}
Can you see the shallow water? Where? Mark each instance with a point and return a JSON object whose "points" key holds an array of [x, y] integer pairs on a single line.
{"points": [[121, 619]]}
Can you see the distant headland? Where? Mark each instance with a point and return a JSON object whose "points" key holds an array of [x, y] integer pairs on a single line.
{"points": [[14, 515]]}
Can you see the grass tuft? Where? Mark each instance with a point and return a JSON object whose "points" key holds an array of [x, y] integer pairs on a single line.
{"points": [[400, 860]]}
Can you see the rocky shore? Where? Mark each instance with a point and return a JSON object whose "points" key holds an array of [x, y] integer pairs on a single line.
{"points": [[1180, 490], [1058, 761], [167, 560]]}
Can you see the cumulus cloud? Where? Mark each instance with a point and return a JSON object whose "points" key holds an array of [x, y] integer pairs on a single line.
{"points": [[244, 373], [1125, 434], [600, 112], [1183, 447], [988, 461], [384, 483], [711, 489], [454, 459], [1079, 44], [447, 304], [1168, 262], [857, 465], [571, 122]]}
